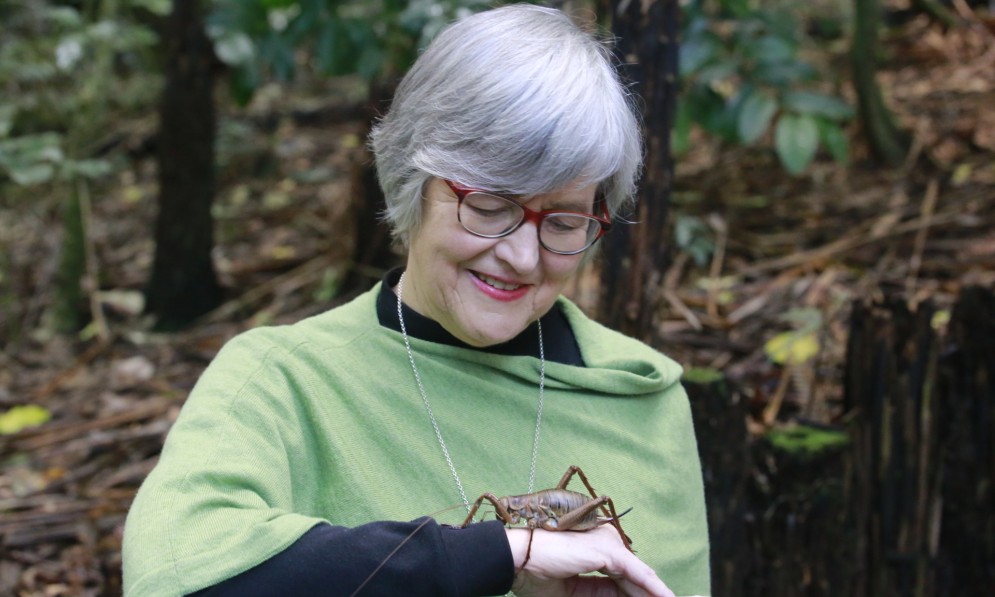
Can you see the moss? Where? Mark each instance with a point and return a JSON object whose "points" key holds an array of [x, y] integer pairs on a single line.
{"points": [[702, 375], [807, 441]]}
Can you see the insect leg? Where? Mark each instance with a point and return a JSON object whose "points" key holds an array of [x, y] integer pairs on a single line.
{"points": [[500, 510], [604, 502]]}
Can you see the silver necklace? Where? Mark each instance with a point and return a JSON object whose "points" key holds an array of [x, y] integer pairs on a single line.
{"points": [[431, 416]]}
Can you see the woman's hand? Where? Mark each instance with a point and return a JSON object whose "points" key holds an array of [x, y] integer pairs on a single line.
{"points": [[559, 559]]}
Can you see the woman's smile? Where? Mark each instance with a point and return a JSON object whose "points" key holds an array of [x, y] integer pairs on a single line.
{"points": [[498, 288]]}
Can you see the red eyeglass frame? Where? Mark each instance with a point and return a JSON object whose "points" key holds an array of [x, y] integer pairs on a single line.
{"points": [[536, 217]]}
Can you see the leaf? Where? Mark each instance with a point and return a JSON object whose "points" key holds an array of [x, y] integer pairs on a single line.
{"points": [[714, 73], [804, 318], [698, 51], [961, 175], [695, 237], [818, 104], [772, 49], [31, 174], [792, 348], [332, 49], [755, 115], [940, 319], [835, 140], [88, 168], [277, 4], [22, 417], [783, 74], [43, 146], [234, 48], [278, 54], [157, 7], [7, 113], [244, 81], [796, 137]]}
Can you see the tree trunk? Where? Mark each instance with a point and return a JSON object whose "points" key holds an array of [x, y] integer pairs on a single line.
{"points": [[967, 433], [183, 284], [888, 141], [923, 406], [720, 414], [372, 253], [636, 256], [889, 384], [69, 299]]}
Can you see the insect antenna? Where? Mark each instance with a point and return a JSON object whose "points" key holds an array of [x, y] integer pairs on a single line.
{"points": [[427, 520]]}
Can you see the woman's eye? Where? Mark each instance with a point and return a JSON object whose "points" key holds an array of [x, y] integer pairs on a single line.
{"points": [[486, 206], [565, 224], [493, 212]]}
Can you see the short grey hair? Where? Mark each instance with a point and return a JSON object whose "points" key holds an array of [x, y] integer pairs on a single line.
{"points": [[518, 99]]}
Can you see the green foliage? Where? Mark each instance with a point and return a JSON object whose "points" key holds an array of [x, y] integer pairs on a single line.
{"points": [[744, 77], [69, 72], [370, 38], [693, 235], [57, 66], [702, 375], [800, 345], [23, 417], [807, 441]]}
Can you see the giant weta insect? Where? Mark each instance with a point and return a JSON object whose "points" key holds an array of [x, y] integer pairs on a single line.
{"points": [[557, 509]]}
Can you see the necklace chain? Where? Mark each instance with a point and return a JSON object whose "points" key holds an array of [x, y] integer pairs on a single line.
{"points": [[431, 415]]}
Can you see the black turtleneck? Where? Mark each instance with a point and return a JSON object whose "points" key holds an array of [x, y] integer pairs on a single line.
{"points": [[559, 343]]}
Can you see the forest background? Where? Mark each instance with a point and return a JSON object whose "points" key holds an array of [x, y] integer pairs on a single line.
{"points": [[816, 247]]}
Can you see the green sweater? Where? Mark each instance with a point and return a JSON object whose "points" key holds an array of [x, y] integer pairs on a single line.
{"points": [[321, 421]]}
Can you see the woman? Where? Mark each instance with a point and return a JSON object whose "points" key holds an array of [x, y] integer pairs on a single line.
{"points": [[509, 145]]}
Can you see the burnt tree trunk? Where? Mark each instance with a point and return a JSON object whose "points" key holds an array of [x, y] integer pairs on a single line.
{"points": [[907, 508], [923, 403], [183, 284], [720, 414], [889, 387], [967, 433], [636, 256]]}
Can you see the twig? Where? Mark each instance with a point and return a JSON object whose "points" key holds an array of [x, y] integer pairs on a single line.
{"points": [[679, 306], [843, 245], [774, 406], [295, 278], [718, 257], [81, 361], [967, 14], [49, 434], [92, 270], [928, 208]]}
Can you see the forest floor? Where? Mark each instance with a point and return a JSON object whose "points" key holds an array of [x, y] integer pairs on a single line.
{"points": [[791, 253]]}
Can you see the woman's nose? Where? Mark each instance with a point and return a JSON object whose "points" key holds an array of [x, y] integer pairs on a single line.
{"points": [[521, 248]]}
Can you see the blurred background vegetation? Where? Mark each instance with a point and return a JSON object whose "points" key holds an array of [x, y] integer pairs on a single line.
{"points": [[174, 172]]}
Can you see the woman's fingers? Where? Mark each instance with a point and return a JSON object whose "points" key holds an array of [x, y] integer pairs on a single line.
{"points": [[559, 558]]}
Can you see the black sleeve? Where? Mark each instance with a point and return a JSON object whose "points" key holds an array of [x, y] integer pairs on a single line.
{"points": [[435, 560]]}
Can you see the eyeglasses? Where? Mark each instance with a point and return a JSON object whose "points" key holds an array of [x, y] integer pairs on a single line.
{"points": [[493, 216]]}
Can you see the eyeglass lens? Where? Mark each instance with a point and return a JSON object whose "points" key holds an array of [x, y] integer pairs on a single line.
{"points": [[493, 216]]}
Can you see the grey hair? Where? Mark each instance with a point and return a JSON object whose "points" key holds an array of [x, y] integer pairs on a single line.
{"points": [[517, 99]]}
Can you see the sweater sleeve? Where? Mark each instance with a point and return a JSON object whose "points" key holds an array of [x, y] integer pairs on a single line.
{"points": [[248, 492], [432, 560]]}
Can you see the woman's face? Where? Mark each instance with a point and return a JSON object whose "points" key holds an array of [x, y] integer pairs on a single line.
{"points": [[485, 291]]}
